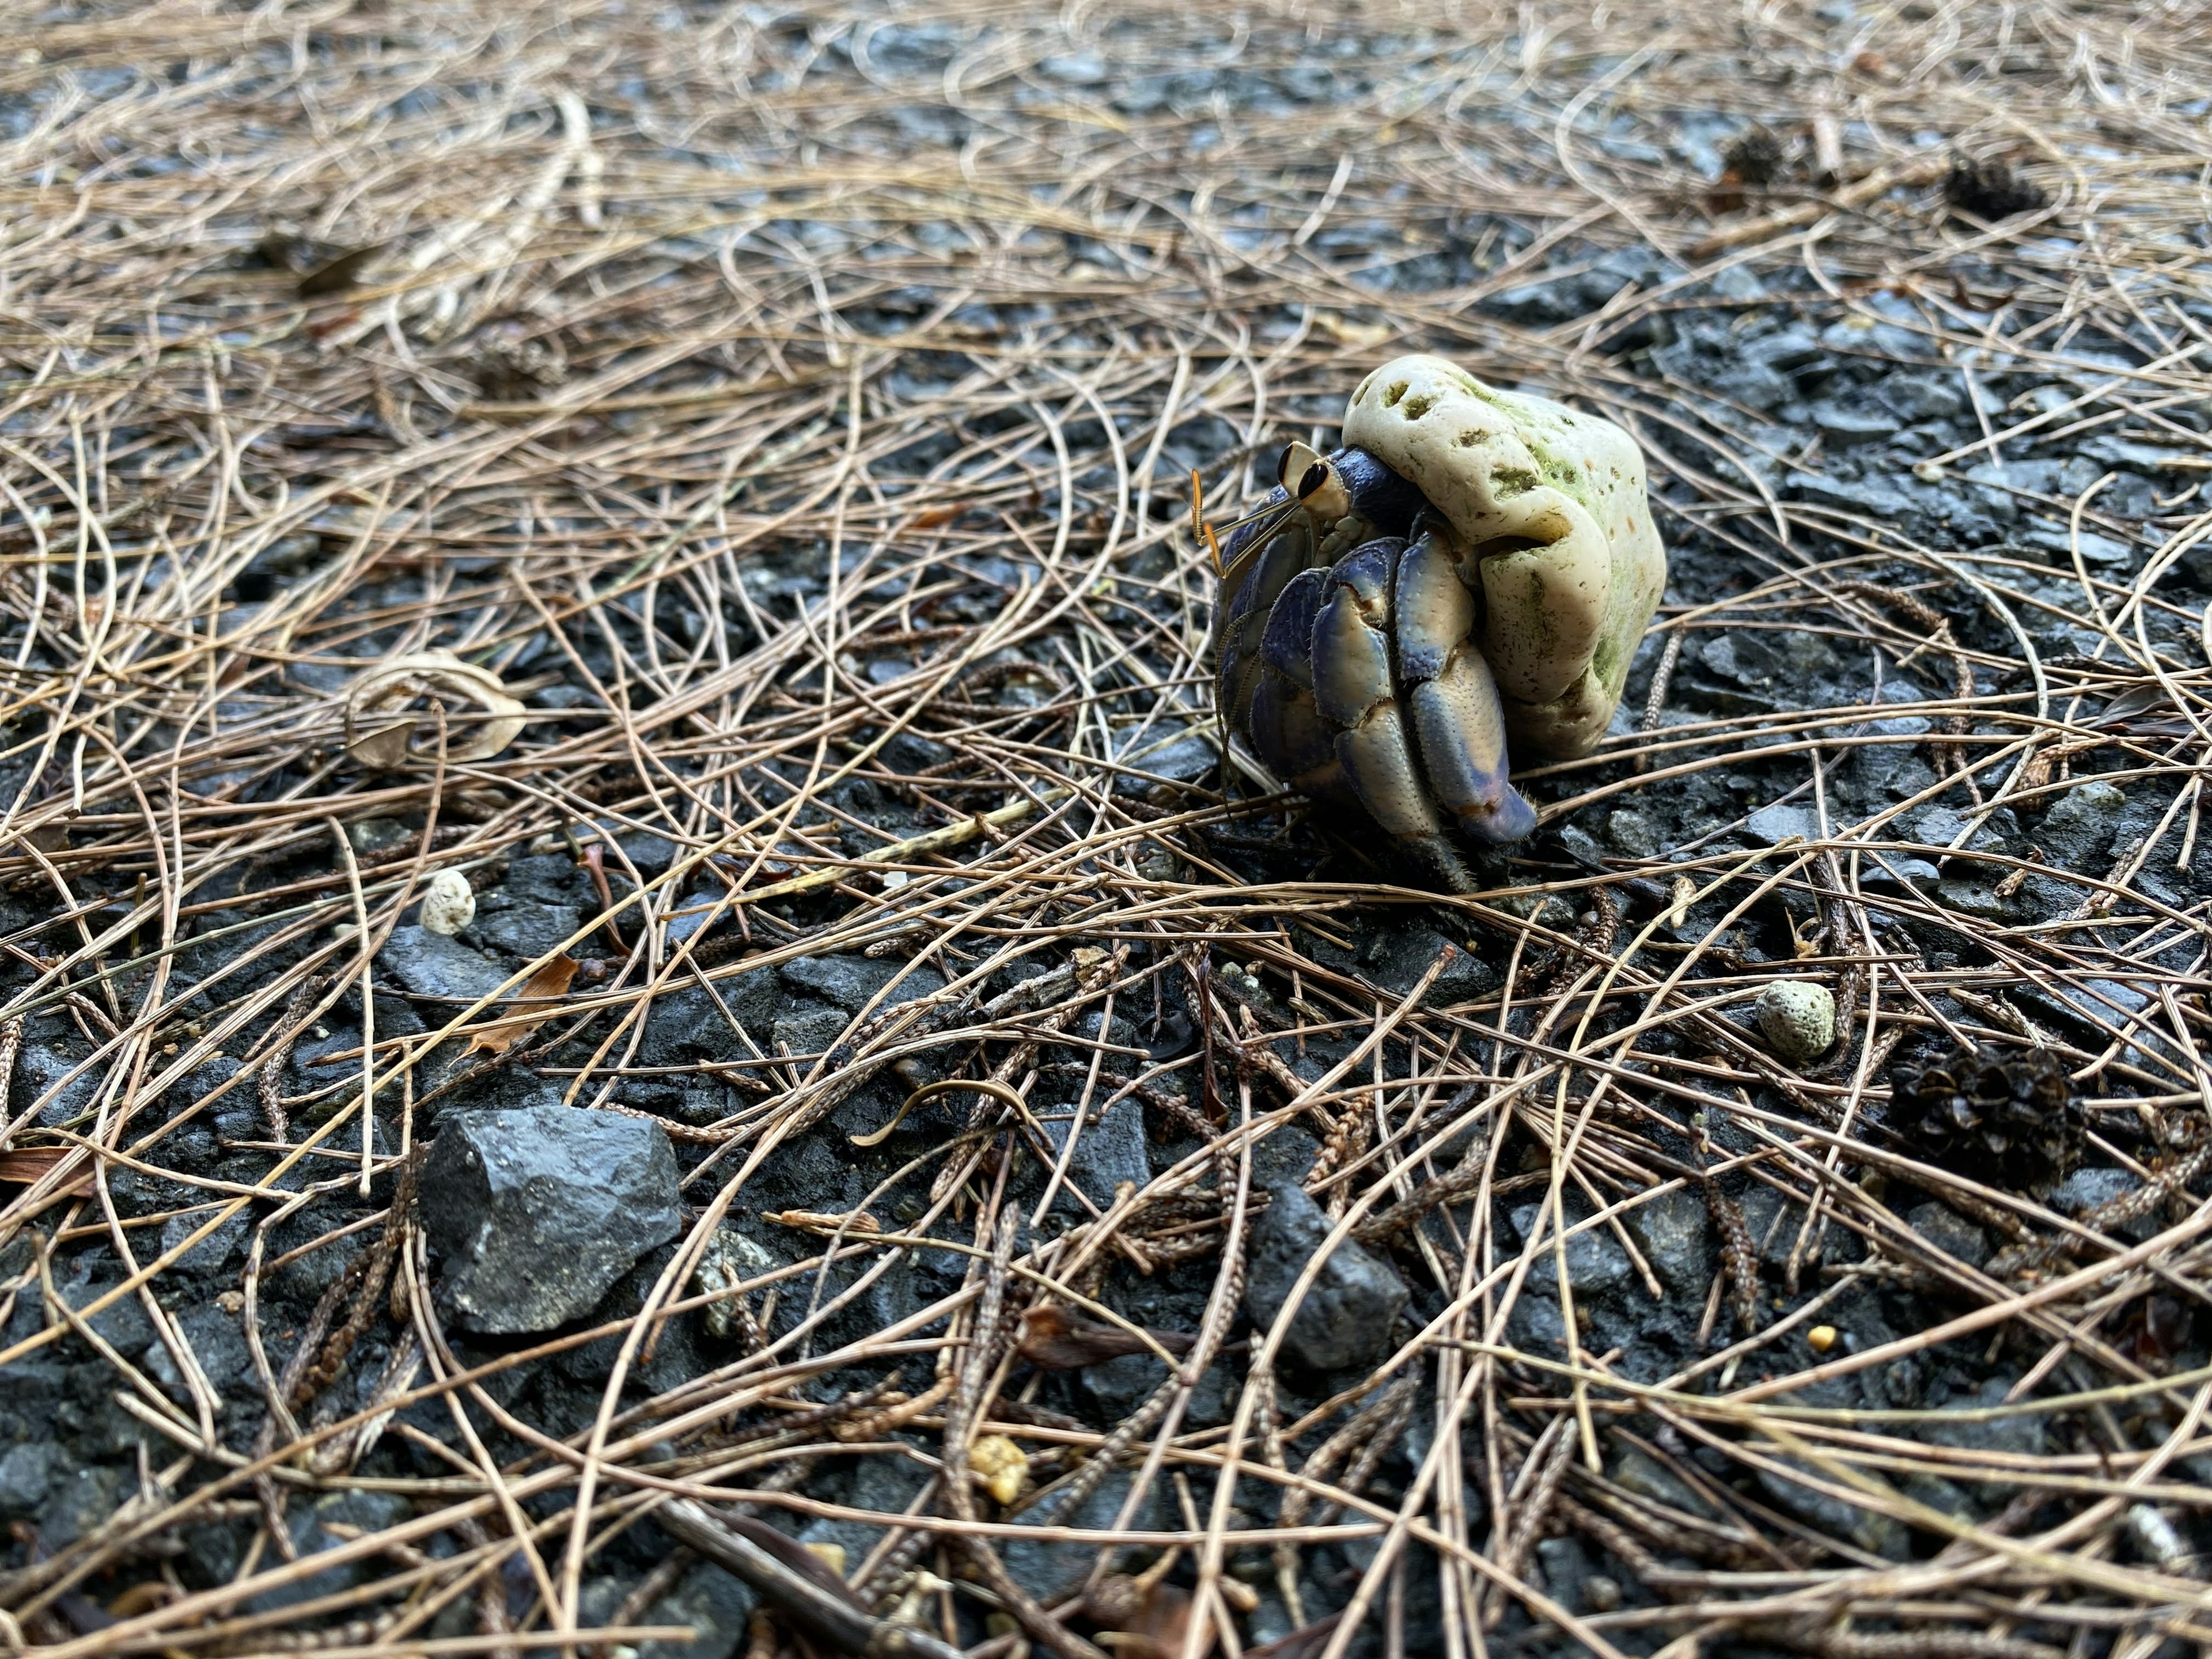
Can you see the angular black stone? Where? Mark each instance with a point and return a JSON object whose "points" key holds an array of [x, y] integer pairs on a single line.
{"points": [[1345, 1316], [536, 1211]]}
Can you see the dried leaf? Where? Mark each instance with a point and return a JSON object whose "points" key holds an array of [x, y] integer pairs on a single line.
{"points": [[1305, 1643], [813, 1221], [550, 982], [377, 728], [1058, 1338], [28, 1165], [1159, 1627], [338, 273]]}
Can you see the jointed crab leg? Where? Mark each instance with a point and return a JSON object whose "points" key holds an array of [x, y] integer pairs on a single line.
{"points": [[1286, 726], [1451, 696], [1353, 693]]}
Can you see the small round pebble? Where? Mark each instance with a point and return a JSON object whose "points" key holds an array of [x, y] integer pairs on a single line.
{"points": [[449, 903], [1798, 1019]]}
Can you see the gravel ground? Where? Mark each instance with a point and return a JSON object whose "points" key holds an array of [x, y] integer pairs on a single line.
{"points": [[845, 1050]]}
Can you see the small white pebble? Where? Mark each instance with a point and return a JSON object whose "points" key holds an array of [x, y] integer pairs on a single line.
{"points": [[448, 904], [1797, 1019]]}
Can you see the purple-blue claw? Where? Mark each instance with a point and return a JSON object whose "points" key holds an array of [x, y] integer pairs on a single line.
{"points": [[1286, 728], [1352, 692], [1245, 619], [1451, 697]]}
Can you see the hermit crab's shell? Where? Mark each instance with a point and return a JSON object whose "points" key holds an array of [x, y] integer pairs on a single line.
{"points": [[1557, 532]]}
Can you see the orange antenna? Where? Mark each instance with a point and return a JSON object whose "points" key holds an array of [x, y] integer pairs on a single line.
{"points": [[1214, 548]]}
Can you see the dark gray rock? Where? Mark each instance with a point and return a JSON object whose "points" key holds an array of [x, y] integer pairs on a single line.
{"points": [[884, 1485], [1895, 873], [2022, 1435], [1789, 349], [2078, 829], [527, 929], [1675, 1232], [1566, 1572], [25, 1473], [546, 878], [218, 1345], [1752, 385], [1880, 1533], [77, 1500], [2086, 1190], [1972, 898], [39, 1071], [1771, 824], [435, 965], [1595, 1261], [355, 1512], [1846, 425], [808, 1030], [1046, 1569], [1633, 833], [1178, 754], [2060, 540], [1108, 1151], [1950, 1232], [1893, 741], [848, 982], [1923, 396], [1405, 953], [213, 1255], [1347, 1315], [538, 1211], [1286, 1155]]}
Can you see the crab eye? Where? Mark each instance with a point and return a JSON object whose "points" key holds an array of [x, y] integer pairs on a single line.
{"points": [[1317, 475], [1284, 462]]}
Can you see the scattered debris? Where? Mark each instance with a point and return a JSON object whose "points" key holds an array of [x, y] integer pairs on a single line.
{"points": [[1990, 189], [481, 719], [2008, 1118], [449, 903], [1797, 1017]]}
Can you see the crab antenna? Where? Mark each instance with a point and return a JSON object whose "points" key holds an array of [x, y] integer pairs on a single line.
{"points": [[1213, 547], [1258, 543], [1197, 508], [1279, 511]]}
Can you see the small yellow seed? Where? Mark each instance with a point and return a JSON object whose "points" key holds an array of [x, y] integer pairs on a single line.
{"points": [[1820, 1338], [1000, 1468], [831, 1556]]}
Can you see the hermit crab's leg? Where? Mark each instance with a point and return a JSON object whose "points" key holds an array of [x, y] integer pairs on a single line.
{"points": [[1353, 691], [1451, 695], [1244, 616], [1287, 728]]}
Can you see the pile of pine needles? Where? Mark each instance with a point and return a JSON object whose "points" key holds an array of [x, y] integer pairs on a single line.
{"points": [[556, 336]]}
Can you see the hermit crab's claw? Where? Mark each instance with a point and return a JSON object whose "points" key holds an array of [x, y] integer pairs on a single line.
{"points": [[1550, 508], [1451, 699], [1355, 696], [1260, 571]]}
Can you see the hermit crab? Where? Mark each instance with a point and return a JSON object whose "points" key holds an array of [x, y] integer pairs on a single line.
{"points": [[1461, 585]]}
